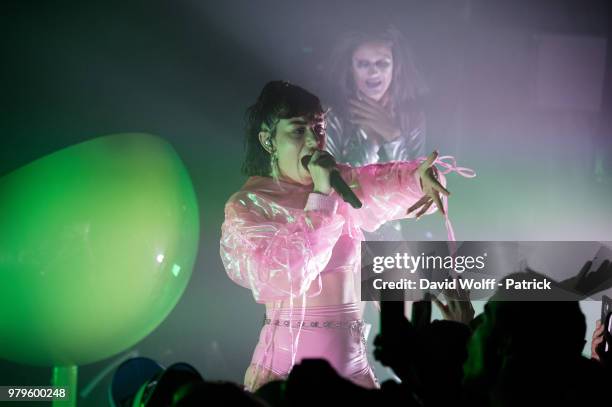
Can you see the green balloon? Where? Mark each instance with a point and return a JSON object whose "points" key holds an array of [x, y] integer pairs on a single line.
{"points": [[97, 245]]}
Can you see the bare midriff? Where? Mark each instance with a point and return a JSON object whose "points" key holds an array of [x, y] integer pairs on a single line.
{"points": [[338, 287]]}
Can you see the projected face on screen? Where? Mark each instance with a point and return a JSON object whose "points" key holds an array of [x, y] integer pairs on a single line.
{"points": [[373, 69]]}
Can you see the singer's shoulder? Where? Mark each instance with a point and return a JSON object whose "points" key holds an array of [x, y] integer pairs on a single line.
{"points": [[249, 190], [265, 196], [245, 203]]}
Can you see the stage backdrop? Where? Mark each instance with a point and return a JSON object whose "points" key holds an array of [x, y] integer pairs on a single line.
{"points": [[519, 91]]}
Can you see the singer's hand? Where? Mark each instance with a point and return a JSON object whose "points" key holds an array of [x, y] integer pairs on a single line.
{"points": [[431, 187], [319, 166]]}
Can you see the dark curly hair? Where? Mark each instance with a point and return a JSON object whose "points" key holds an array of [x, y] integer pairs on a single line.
{"points": [[278, 100]]}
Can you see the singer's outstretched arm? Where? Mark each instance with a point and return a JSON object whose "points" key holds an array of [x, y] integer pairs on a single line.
{"points": [[387, 191]]}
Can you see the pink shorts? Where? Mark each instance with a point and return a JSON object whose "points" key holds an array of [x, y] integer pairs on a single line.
{"points": [[334, 333]]}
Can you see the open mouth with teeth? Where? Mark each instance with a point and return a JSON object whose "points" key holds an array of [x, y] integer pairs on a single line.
{"points": [[373, 83]]}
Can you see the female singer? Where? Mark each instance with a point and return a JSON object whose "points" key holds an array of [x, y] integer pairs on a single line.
{"points": [[294, 243]]}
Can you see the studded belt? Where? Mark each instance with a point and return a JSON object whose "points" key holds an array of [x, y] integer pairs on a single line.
{"points": [[359, 323], [357, 326]]}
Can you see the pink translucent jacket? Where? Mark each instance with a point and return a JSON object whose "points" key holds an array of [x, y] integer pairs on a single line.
{"points": [[278, 237]]}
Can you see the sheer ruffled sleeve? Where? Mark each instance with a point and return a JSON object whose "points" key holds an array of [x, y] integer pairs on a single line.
{"points": [[275, 251], [386, 191]]}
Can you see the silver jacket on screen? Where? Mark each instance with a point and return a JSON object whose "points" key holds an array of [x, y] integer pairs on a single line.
{"points": [[350, 144]]}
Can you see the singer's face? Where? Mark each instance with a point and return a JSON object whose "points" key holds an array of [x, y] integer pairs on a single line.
{"points": [[295, 138], [373, 69]]}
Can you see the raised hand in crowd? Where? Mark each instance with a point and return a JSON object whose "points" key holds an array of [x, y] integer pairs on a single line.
{"points": [[598, 345], [458, 306]]}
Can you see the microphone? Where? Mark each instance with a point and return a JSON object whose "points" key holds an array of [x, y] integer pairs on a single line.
{"points": [[337, 183]]}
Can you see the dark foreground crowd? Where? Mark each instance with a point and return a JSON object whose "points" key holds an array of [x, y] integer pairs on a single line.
{"points": [[516, 353]]}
